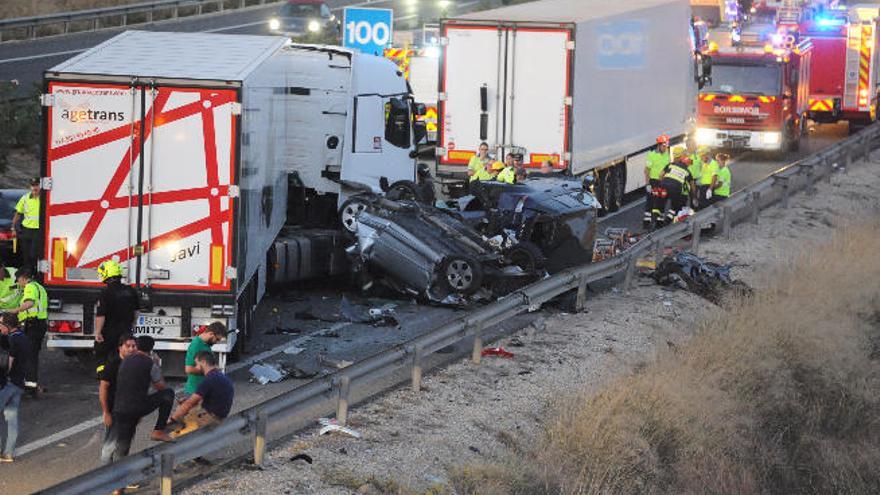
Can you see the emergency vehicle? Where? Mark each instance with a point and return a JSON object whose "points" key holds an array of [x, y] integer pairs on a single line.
{"points": [[420, 67], [757, 97], [844, 76]]}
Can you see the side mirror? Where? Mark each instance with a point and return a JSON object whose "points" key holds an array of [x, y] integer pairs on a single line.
{"points": [[704, 81], [419, 109]]}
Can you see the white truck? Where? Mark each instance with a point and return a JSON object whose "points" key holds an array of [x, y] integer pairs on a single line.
{"points": [[187, 156], [586, 84]]}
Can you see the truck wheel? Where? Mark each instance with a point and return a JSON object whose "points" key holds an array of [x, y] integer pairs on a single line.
{"points": [[462, 275], [618, 184], [348, 213], [527, 256], [603, 192]]}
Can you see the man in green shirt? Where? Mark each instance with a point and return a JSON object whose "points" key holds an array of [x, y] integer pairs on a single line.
{"points": [[212, 335], [721, 182], [704, 183]]}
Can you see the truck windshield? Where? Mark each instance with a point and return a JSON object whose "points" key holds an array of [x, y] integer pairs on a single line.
{"points": [[300, 10], [745, 79]]}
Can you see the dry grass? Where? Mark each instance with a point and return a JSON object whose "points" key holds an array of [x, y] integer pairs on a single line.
{"points": [[778, 394]]}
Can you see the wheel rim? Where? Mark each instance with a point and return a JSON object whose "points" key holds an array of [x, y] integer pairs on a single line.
{"points": [[349, 215], [460, 275]]}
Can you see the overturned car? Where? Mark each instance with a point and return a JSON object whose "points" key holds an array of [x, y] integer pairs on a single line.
{"points": [[487, 244]]}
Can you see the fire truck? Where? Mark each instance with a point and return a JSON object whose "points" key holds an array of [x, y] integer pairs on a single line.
{"points": [[844, 78], [756, 98]]}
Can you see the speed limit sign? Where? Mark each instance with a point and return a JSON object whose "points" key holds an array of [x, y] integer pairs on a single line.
{"points": [[368, 30]]}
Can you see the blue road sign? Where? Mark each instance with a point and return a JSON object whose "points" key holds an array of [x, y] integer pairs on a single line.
{"points": [[368, 30]]}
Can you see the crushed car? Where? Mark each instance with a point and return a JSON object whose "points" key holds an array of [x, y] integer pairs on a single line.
{"points": [[497, 239]]}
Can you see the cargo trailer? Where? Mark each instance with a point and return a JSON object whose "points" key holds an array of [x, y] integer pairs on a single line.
{"points": [[585, 84], [184, 155]]}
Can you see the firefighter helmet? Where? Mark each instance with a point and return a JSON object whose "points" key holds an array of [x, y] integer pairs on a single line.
{"points": [[498, 166], [109, 269], [678, 152], [663, 139]]}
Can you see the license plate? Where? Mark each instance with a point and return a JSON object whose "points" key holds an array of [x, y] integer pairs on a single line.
{"points": [[157, 325]]}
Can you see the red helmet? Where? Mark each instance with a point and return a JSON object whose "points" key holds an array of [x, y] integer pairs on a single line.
{"points": [[663, 139]]}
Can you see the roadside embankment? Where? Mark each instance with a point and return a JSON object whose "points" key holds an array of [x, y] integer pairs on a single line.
{"points": [[652, 391]]}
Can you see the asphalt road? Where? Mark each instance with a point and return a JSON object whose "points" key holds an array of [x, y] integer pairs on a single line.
{"points": [[26, 61]]}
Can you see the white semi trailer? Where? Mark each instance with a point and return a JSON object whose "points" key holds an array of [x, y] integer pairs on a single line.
{"points": [[187, 156], [586, 84]]}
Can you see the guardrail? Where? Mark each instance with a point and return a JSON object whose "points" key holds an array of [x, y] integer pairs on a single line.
{"points": [[94, 19], [252, 424]]}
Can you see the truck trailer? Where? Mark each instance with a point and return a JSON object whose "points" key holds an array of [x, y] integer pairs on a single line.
{"points": [[844, 77], [585, 84], [186, 157]]}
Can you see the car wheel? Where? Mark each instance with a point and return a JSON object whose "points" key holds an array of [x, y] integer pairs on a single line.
{"points": [[348, 213], [527, 256], [462, 275], [403, 190]]}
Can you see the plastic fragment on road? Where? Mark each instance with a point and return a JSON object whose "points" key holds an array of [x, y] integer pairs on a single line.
{"points": [[293, 350], [339, 364], [302, 457], [497, 351], [333, 426], [355, 313], [267, 373]]}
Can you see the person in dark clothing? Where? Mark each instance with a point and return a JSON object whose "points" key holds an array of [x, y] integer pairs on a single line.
{"points": [[115, 310], [109, 372], [675, 181], [10, 395], [425, 186], [211, 402], [133, 401]]}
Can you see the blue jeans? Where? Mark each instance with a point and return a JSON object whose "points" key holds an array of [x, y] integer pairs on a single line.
{"points": [[10, 399]]}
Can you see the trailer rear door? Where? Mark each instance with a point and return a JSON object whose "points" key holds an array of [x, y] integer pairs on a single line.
{"points": [[144, 175], [506, 85]]}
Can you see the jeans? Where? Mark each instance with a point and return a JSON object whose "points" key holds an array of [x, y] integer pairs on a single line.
{"points": [[117, 439], [10, 399]]}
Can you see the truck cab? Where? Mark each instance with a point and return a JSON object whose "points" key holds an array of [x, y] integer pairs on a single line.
{"points": [[756, 98]]}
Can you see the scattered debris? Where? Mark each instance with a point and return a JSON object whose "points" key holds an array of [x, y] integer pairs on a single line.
{"points": [[284, 331], [497, 351], [474, 449], [517, 342], [687, 271], [331, 425], [301, 457], [380, 317], [307, 315], [299, 374], [293, 350], [616, 240], [339, 364], [267, 373]]}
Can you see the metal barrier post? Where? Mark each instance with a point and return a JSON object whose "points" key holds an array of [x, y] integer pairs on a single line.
{"points": [[755, 202], [166, 473], [260, 437], [581, 300], [417, 369], [726, 221], [631, 260], [658, 252], [477, 353], [785, 189], [811, 175], [695, 236], [847, 161], [342, 400]]}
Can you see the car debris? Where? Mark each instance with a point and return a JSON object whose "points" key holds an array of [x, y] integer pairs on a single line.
{"points": [[293, 350], [615, 241], [498, 352], [687, 271], [380, 317], [327, 362], [267, 373], [331, 426], [302, 457]]}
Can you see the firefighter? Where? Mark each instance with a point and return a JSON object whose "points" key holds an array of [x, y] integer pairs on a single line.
{"points": [[480, 160], [27, 211], [10, 293], [33, 314], [115, 310], [707, 172], [721, 180], [656, 161], [674, 181]]}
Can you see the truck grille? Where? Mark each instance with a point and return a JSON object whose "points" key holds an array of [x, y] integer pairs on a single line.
{"points": [[725, 120]]}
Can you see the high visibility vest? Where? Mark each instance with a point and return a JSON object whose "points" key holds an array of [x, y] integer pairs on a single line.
{"points": [[725, 181], [508, 175], [29, 209], [476, 163], [677, 173], [708, 170], [10, 294], [696, 166], [482, 174], [36, 293], [655, 163]]}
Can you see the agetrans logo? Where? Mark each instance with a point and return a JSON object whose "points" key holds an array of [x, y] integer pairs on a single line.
{"points": [[621, 45]]}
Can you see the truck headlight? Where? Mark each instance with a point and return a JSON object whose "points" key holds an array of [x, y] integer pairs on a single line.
{"points": [[314, 26], [274, 24], [705, 136], [772, 137]]}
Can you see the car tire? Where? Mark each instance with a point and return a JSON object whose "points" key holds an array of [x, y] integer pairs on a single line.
{"points": [[403, 190], [527, 256], [348, 213], [615, 174], [462, 275]]}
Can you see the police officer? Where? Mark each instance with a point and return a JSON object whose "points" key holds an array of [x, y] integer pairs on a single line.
{"points": [[656, 162], [27, 211], [115, 310], [10, 293], [675, 180], [33, 313]]}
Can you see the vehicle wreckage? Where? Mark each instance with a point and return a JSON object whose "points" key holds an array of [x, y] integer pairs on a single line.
{"points": [[489, 243]]}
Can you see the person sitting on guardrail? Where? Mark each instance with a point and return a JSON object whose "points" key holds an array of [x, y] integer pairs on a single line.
{"points": [[210, 403], [213, 334], [20, 354]]}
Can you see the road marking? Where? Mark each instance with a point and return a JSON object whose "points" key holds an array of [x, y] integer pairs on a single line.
{"points": [[42, 55], [91, 423], [229, 28]]}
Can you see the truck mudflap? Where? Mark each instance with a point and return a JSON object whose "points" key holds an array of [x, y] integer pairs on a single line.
{"points": [[87, 343]]}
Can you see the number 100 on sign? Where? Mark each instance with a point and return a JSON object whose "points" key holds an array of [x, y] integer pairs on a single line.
{"points": [[368, 30]]}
